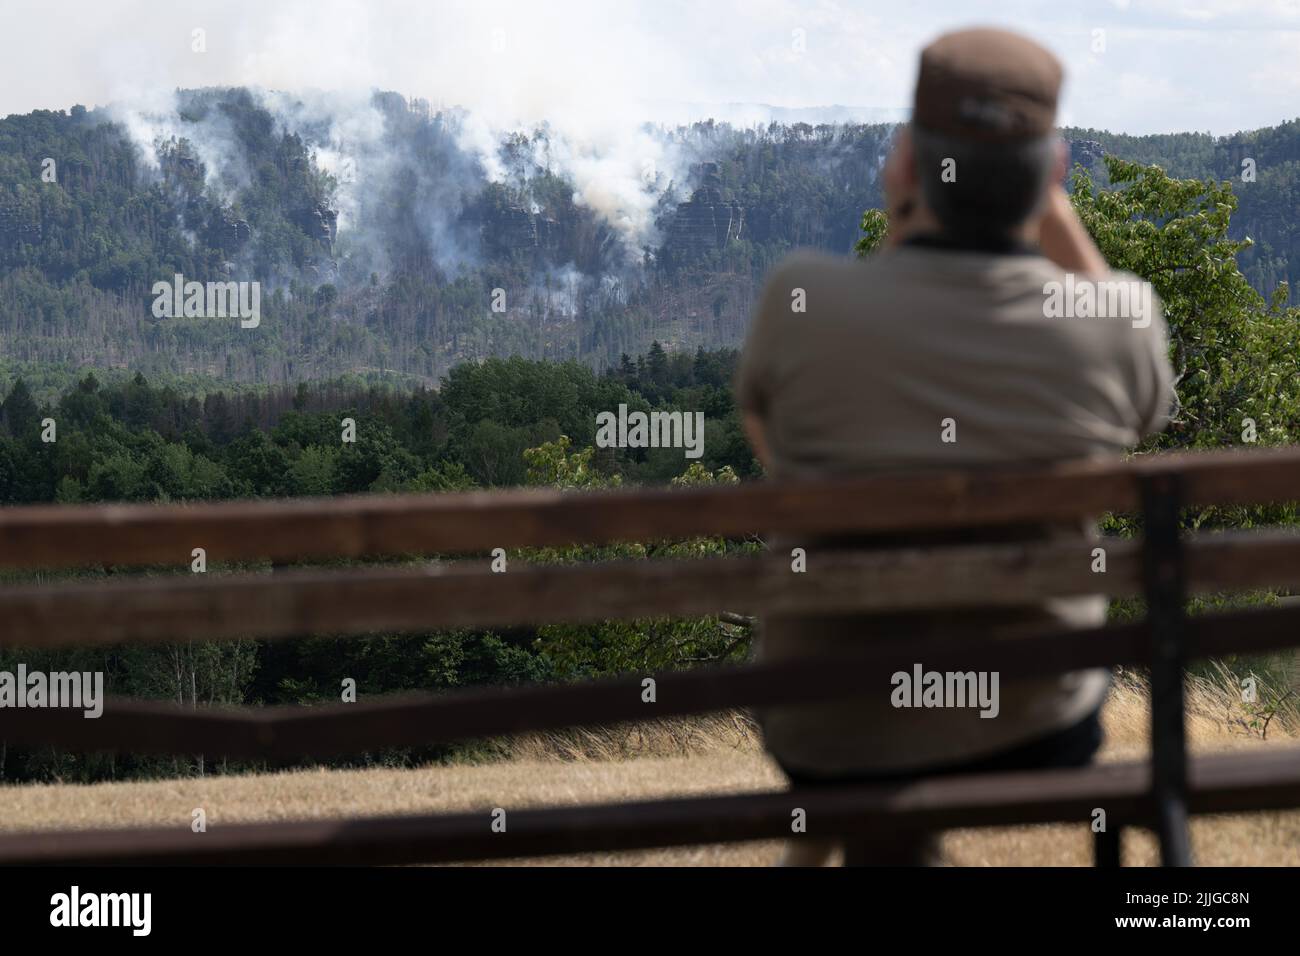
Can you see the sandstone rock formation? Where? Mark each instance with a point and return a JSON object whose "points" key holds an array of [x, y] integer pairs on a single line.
{"points": [[1085, 152], [319, 222], [708, 221]]}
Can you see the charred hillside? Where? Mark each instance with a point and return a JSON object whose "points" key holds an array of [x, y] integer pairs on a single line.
{"points": [[390, 236]]}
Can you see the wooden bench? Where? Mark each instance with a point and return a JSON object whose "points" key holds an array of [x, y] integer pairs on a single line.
{"points": [[1165, 567]]}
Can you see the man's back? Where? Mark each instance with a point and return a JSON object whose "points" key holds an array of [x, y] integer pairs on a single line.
{"points": [[936, 357], [891, 346]]}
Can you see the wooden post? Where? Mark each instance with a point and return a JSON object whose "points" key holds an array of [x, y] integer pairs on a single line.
{"points": [[1107, 847], [1162, 496]]}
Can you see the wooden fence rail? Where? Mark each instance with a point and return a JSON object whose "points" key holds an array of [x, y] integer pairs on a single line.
{"points": [[464, 594], [365, 526], [1218, 784], [285, 733]]}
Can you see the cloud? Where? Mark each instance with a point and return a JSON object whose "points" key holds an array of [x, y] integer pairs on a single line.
{"points": [[591, 66]]}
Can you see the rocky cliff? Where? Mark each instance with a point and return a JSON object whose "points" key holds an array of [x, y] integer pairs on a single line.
{"points": [[708, 221]]}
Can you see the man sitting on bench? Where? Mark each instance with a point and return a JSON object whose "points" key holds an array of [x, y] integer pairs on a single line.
{"points": [[943, 351]]}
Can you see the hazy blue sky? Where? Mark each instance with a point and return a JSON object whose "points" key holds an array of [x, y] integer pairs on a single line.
{"points": [[1217, 65]]}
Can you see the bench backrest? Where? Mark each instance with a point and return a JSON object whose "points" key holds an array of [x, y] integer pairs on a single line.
{"points": [[290, 602]]}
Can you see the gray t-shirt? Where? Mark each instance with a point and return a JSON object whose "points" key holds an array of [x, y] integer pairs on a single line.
{"points": [[891, 355]]}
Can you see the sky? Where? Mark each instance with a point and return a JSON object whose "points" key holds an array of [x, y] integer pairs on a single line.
{"points": [[1136, 66]]}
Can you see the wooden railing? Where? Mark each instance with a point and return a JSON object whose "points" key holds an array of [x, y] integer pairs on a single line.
{"points": [[1165, 567]]}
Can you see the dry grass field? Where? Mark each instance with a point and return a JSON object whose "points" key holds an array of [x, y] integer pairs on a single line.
{"points": [[715, 755]]}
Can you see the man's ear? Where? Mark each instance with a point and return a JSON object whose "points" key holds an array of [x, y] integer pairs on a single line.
{"points": [[907, 156], [899, 174], [1061, 166]]}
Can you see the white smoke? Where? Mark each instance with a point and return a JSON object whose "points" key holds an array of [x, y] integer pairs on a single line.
{"points": [[590, 76], [345, 132], [584, 76], [618, 174], [154, 121]]}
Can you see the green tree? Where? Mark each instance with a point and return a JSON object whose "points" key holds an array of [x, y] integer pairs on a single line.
{"points": [[614, 647], [1235, 355]]}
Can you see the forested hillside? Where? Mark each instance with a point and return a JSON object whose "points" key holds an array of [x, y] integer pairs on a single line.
{"points": [[1263, 167], [389, 243]]}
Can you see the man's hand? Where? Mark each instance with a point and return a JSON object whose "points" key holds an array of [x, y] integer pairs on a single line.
{"points": [[1063, 238]]}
